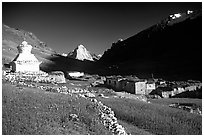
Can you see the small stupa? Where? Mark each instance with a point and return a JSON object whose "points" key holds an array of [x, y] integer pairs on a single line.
{"points": [[25, 60]]}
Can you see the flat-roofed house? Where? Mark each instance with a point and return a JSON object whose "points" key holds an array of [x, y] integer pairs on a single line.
{"points": [[134, 86], [131, 85], [140, 87], [128, 86], [150, 85], [114, 82]]}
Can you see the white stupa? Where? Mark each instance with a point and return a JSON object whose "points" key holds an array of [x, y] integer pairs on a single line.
{"points": [[25, 60]]}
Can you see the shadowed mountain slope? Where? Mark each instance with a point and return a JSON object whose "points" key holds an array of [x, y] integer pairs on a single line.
{"points": [[170, 49]]}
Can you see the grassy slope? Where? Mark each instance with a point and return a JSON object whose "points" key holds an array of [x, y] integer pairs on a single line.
{"points": [[32, 111], [155, 118]]}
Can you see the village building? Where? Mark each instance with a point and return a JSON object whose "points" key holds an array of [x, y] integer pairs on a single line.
{"points": [[150, 86], [25, 61], [128, 86], [131, 85], [164, 92], [114, 82], [140, 87], [191, 88]]}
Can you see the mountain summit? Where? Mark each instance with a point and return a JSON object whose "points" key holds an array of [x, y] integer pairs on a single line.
{"points": [[81, 53]]}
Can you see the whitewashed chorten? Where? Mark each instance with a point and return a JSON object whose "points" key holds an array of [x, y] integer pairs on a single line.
{"points": [[25, 60]]}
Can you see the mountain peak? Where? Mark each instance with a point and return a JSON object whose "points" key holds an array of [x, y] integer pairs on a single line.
{"points": [[80, 46], [81, 53]]}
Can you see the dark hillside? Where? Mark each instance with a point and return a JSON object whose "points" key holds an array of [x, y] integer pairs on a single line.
{"points": [[65, 64], [171, 49]]}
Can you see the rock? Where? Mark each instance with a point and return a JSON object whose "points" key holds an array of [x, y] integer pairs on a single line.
{"points": [[93, 100], [101, 95], [90, 95], [81, 95], [73, 117]]}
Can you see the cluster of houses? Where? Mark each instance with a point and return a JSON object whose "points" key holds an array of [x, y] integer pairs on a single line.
{"points": [[151, 86], [171, 89], [131, 84]]}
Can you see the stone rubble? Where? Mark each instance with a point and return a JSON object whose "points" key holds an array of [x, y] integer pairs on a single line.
{"points": [[108, 119]]}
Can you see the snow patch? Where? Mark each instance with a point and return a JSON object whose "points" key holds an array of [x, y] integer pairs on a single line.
{"points": [[63, 54], [175, 16], [189, 11], [100, 55]]}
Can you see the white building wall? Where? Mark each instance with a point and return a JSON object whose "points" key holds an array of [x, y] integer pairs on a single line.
{"points": [[140, 87]]}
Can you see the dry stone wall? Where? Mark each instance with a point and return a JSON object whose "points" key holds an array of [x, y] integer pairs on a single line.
{"points": [[39, 77]]}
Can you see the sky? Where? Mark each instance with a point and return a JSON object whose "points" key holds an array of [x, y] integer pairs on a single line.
{"points": [[65, 25]]}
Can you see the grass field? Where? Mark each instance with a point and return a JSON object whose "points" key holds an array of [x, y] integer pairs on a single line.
{"points": [[33, 111], [156, 118]]}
